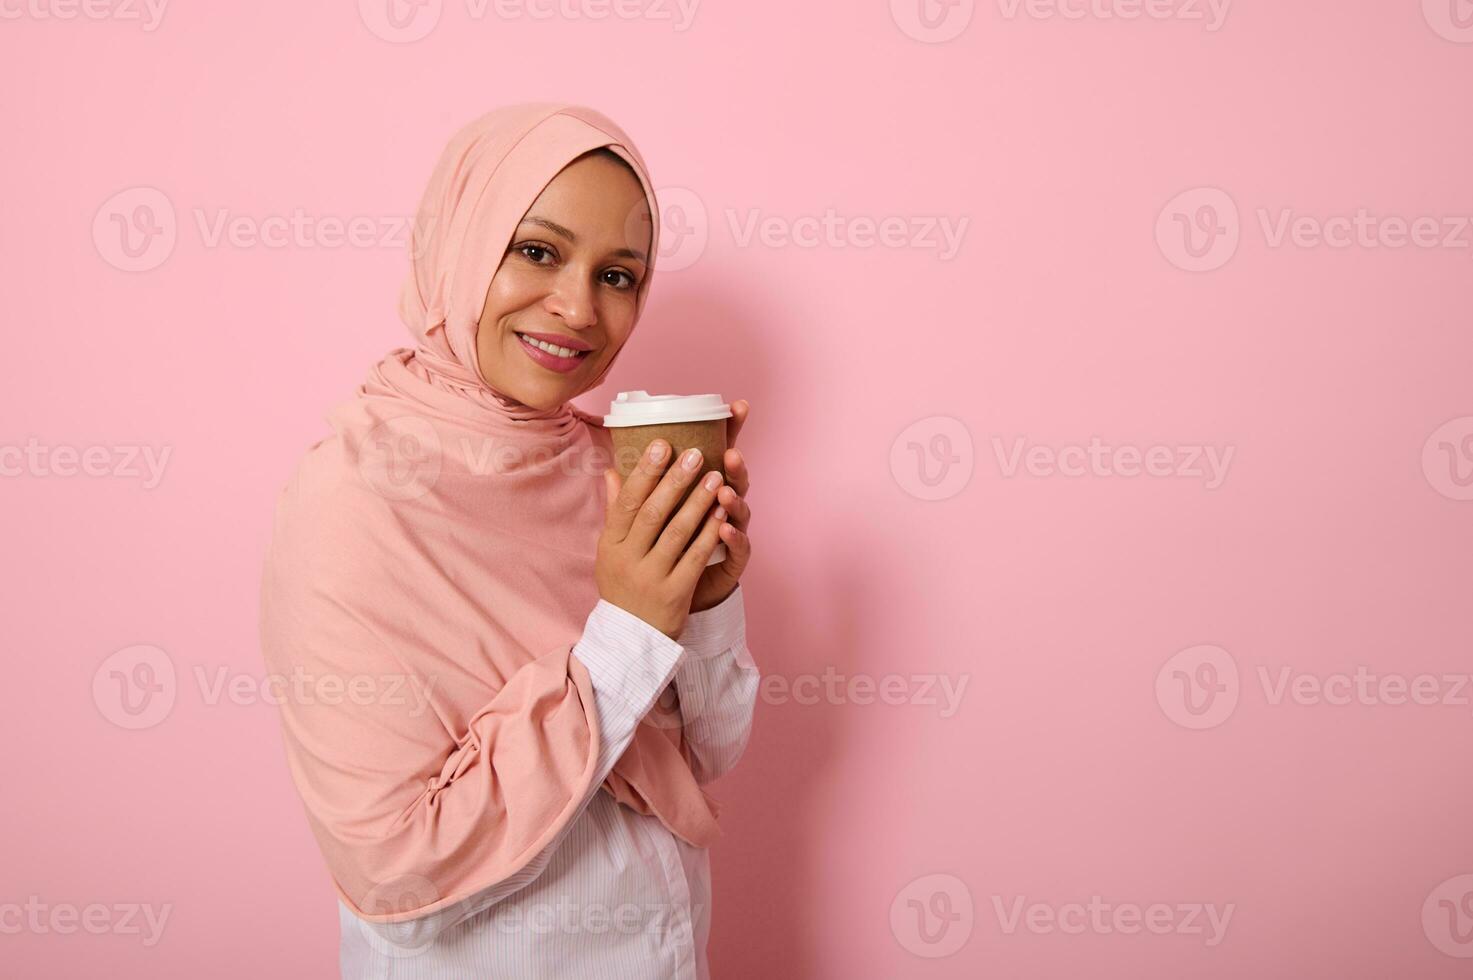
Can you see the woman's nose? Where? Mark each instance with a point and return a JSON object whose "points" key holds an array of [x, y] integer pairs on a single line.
{"points": [[572, 300]]}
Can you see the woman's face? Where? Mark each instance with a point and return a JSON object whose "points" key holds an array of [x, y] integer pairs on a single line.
{"points": [[571, 275]]}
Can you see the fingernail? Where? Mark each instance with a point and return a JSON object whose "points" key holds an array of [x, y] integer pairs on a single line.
{"points": [[720, 513], [657, 451], [713, 480], [692, 459]]}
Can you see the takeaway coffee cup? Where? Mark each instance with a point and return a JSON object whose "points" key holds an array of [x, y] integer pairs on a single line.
{"points": [[637, 418]]}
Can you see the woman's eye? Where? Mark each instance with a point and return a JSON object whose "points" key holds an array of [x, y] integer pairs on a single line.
{"points": [[536, 253]]}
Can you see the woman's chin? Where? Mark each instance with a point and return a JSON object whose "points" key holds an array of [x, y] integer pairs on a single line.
{"points": [[544, 393]]}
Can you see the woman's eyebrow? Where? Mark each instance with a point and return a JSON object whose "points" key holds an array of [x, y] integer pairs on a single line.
{"points": [[568, 234]]}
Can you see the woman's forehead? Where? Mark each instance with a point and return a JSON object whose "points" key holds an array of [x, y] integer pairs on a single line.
{"points": [[603, 206], [593, 177]]}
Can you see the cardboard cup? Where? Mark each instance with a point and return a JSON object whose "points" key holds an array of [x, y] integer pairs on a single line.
{"points": [[637, 419]]}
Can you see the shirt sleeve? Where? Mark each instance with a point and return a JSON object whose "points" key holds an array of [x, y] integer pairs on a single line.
{"points": [[629, 662], [717, 686]]}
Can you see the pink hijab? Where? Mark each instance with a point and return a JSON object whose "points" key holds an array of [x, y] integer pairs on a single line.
{"points": [[437, 551]]}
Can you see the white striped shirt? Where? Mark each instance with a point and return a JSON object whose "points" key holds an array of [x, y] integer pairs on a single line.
{"points": [[616, 896]]}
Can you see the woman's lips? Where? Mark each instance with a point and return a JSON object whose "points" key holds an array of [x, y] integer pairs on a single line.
{"points": [[562, 365]]}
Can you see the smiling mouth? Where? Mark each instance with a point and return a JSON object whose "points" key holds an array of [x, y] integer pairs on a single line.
{"points": [[551, 360], [565, 353]]}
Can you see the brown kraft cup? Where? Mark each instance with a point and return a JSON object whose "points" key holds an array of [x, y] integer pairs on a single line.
{"points": [[637, 419]]}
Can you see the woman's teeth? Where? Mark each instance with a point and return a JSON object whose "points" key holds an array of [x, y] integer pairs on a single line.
{"points": [[551, 348]]}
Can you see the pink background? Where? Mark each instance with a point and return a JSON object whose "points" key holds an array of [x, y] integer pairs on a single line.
{"points": [[1337, 834]]}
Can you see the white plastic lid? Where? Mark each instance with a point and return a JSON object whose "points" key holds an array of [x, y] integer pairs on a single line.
{"points": [[643, 408]]}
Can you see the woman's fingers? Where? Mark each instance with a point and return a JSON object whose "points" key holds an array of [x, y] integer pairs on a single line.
{"points": [[623, 505], [738, 549], [687, 522], [640, 504], [736, 471], [654, 514], [693, 562], [739, 482], [736, 506], [738, 419]]}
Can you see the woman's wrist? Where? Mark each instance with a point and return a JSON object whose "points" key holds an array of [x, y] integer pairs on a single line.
{"points": [[712, 604]]}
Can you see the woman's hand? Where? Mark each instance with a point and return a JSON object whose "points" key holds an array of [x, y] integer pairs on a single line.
{"points": [[720, 580], [646, 566]]}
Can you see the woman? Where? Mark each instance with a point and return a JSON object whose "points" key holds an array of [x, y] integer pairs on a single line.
{"points": [[486, 617]]}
